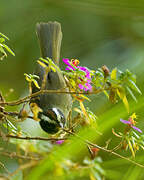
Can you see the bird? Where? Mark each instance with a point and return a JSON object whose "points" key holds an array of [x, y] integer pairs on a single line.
{"points": [[54, 108]]}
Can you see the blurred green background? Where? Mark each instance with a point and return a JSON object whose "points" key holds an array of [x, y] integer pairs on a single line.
{"points": [[96, 32]]}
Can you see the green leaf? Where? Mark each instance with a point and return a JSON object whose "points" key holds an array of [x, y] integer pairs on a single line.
{"points": [[44, 60], [96, 175], [87, 161], [2, 50], [35, 83], [98, 160], [35, 76], [131, 93], [113, 74], [99, 169], [131, 148], [52, 68], [42, 64], [52, 64], [136, 135], [8, 49], [4, 36], [2, 40], [9, 126], [133, 86], [125, 101], [122, 95], [105, 92], [27, 77]]}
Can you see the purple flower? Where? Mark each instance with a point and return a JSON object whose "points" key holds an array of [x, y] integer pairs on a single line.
{"points": [[86, 86], [69, 67], [137, 129], [59, 142], [125, 122], [131, 122], [85, 70], [86, 80]]}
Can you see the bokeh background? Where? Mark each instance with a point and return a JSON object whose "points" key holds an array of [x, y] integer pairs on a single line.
{"points": [[96, 32]]}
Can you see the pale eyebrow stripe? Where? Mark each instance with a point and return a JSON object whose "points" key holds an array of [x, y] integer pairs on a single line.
{"points": [[45, 118], [57, 114]]}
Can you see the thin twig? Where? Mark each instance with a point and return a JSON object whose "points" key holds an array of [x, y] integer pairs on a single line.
{"points": [[23, 166], [32, 138], [14, 155], [15, 114], [27, 98]]}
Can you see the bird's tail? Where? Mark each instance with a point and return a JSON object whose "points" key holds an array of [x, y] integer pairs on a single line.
{"points": [[50, 36]]}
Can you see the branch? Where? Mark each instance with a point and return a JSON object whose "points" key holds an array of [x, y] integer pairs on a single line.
{"points": [[32, 138], [14, 155], [27, 98], [23, 166]]}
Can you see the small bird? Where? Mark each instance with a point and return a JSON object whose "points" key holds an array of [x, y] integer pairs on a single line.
{"points": [[54, 108]]}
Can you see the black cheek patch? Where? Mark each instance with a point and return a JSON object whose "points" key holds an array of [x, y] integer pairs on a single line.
{"points": [[49, 127]]}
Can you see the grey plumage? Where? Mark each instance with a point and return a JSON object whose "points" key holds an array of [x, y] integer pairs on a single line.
{"points": [[49, 37]]}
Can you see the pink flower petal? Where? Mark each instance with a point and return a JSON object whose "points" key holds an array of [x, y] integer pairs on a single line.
{"points": [[81, 86], [67, 62], [88, 86], [125, 122], [85, 70], [59, 142], [137, 129]]}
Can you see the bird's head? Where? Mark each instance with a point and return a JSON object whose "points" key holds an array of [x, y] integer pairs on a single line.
{"points": [[51, 120]]}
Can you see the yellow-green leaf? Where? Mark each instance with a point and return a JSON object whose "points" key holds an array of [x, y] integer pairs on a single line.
{"points": [[36, 83], [113, 74], [77, 110], [125, 101], [105, 92], [134, 86], [44, 60], [27, 77], [121, 94], [42, 64], [8, 49], [2, 50], [4, 36], [84, 97], [131, 148], [53, 68], [92, 177], [84, 111]]}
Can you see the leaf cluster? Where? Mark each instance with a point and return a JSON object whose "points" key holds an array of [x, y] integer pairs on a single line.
{"points": [[4, 47]]}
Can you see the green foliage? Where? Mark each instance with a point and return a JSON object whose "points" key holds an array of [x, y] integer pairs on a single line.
{"points": [[48, 63], [31, 78], [113, 84], [4, 47]]}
